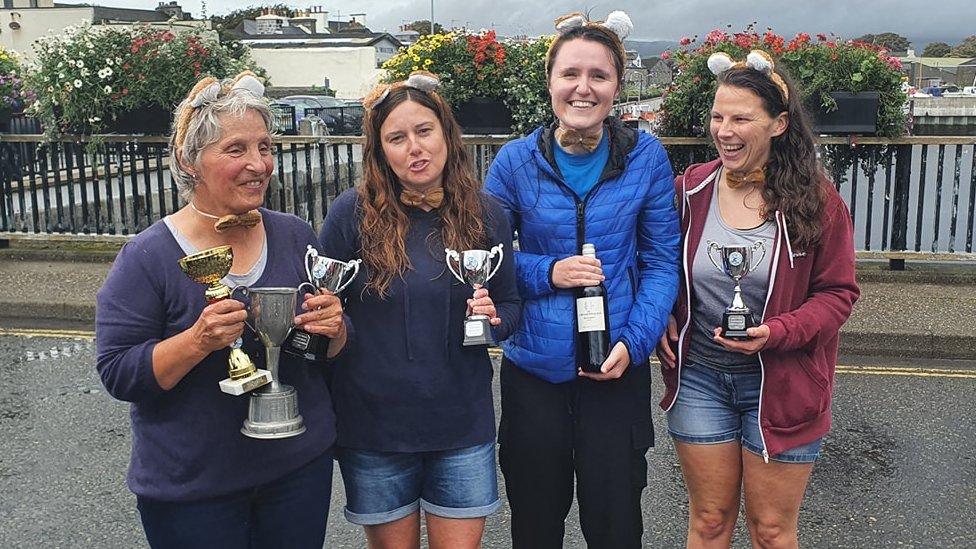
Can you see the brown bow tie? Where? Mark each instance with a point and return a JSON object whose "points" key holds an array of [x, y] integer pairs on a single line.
{"points": [[248, 219], [736, 179], [571, 138], [433, 198]]}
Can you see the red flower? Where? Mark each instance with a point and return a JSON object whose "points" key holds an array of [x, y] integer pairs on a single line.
{"points": [[684, 41], [665, 55], [745, 40], [715, 36], [822, 37]]}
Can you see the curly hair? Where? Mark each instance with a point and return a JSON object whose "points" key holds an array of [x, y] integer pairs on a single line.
{"points": [[794, 178], [384, 222]]}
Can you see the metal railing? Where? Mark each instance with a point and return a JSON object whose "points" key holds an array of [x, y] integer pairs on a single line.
{"points": [[918, 201]]}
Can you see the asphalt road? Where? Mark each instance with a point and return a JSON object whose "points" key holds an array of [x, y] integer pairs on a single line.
{"points": [[898, 469]]}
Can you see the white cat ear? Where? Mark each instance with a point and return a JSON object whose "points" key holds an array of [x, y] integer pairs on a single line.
{"points": [[569, 22], [423, 80], [251, 84], [206, 95], [760, 61], [619, 23], [720, 62]]}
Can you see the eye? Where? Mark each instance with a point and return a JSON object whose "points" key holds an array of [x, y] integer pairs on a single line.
{"points": [[395, 139], [425, 131]]}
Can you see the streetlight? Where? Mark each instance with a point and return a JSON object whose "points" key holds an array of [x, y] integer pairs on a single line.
{"points": [[432, 16]]}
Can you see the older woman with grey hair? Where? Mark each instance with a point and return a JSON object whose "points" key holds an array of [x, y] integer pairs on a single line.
{"points": [[198, 481]]}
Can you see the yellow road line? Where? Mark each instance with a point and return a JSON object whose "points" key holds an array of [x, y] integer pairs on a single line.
{"points": [[35, 332]]}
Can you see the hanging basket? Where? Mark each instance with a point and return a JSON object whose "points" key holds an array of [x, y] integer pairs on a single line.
{"points": [[480, 115], [856, 113]]}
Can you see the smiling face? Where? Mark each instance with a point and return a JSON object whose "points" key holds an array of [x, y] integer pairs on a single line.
{"points": [[414, 146], [742, 128], [233, 173], [583, 84]]}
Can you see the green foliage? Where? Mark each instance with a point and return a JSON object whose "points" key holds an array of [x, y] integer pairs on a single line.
{"points": [[937, 49], [967, 48], [422, 27], [13, 94], [86, 76], [527, 93], [890, 41]]}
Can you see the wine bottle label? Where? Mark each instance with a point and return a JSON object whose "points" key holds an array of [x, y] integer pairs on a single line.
{"points": [[589, 314]]}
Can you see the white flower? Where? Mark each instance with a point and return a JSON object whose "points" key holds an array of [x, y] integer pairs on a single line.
{"points": [[108, 61], [50, 89], [108, 89], [81, 63], [118, 60], [61, 76], [60, 64], [72, 62], [77, 83], [85, 72]]}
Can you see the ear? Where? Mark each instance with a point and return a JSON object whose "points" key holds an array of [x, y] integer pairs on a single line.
{"points": [[186, 167], [781, 123]]}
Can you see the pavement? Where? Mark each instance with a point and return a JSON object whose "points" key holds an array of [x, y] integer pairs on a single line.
{"points": [[926, 311]]}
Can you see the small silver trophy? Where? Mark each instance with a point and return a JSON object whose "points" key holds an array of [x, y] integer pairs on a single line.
{"points": [[474, 268], [737, 262], [273, 409], [324, 273]]}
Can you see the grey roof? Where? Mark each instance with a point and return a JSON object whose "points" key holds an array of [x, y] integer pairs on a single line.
{"points": [[102, 13]]}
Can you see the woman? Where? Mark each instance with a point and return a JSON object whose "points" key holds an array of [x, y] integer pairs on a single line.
{"points": [[198, 481], [586, 179], [414, 405], [750, 413]]}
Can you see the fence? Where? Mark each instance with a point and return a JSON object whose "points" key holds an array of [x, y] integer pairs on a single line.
{"points": [[918, 203]]}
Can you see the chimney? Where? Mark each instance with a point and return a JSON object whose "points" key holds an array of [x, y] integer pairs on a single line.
{"points": [[358, 18]]}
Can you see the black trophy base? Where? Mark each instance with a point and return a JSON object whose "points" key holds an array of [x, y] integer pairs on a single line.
{"points": [[305, 345], [477, 331], [735, 322]]}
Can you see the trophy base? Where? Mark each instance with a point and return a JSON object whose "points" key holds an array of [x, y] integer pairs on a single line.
{"points": [[273, 413], [305, 345], [477, 331], [736, 322], [238, 387]]}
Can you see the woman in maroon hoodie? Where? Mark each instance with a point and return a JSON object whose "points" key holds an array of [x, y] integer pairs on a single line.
{"points": [[748, 411]]}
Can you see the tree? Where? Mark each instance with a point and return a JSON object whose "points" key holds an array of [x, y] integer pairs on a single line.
{"points": [[422, 26], [967, 48], [888, 40], [224, 24], [937, 49]]}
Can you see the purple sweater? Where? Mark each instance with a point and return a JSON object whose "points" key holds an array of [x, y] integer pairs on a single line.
{"points": [[186, 442]]}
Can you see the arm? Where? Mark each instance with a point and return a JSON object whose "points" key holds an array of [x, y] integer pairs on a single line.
{"points": [[533, 272], [504, 291], [337, 240], [832, 293], [658, 238]]}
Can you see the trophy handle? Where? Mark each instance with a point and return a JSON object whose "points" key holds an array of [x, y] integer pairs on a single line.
{"points": [[245, 291], [451, 254], [310, 254], [314, 290], [350, 266], [762, 248], [501, 255], [712, 246]]}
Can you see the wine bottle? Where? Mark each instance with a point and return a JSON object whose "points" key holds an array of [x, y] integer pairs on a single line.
{"points": [[592, 323]]}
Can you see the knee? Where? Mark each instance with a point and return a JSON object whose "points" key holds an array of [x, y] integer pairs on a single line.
{"points": [[770, 533], [712, 523]]}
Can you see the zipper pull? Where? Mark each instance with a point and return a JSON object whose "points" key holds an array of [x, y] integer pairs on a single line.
{"points": [[765, 455]]}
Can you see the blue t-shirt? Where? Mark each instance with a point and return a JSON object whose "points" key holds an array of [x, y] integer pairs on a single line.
{"points": [[582, 171]]}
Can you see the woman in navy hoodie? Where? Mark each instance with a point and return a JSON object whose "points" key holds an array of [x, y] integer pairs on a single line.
{"points": [[749, 413]]}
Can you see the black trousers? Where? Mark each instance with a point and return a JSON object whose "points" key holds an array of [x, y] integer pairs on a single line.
{"points": [[595, 431]]}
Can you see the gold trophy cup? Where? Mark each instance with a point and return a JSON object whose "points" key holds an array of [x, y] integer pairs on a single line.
{"points": [[209, 267]]}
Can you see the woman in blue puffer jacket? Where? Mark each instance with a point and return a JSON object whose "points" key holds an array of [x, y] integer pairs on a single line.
{"points": [[587, 179]]}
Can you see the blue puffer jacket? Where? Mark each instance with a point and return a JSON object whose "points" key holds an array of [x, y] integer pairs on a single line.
{"points": [[629, 216]]}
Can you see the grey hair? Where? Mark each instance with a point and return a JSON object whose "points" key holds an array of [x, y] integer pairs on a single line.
{"points": [[204, 129]]}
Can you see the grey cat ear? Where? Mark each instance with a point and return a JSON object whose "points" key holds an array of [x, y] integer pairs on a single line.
{"points": [[206, 95], [619, 23], [569, 22], [423, 80], [251, 84]]}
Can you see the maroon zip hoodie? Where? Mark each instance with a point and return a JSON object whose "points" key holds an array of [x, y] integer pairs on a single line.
{"points": [[811, 294]]}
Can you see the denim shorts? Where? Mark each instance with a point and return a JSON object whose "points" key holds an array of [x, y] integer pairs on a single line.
{"points": [[714, 407], [382, 487]]}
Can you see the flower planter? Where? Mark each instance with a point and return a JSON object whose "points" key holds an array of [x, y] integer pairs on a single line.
{"points": [[146, 120], [856, 113], [479, 115]]}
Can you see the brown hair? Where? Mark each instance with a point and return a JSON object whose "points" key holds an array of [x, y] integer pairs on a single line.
{"points": [[384, 224], [794, 179], [593, 32]]}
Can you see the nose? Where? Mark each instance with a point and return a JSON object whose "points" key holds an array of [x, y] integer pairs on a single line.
{"points": [[583, 86], [724, 129], [255, 160], [413, 144]]}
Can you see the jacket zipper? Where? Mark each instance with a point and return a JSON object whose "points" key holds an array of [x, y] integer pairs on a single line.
{"points": [[762, 366]]}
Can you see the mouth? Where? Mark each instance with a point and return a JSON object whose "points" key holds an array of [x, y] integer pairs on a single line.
{"points": [[580, 104], [253, 184], [419, 165]]}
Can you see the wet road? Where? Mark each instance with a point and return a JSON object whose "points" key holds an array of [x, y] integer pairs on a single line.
{"points": [[898, 469]]}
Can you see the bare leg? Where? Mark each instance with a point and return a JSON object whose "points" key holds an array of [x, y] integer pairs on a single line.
{"points": [[773, 494], [399, 534], [713, 474], [446, 533]]}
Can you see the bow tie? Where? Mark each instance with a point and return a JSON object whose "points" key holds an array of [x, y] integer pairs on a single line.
{"points": [[433, 198], [572, 138], [247, 220], [736, 179]]}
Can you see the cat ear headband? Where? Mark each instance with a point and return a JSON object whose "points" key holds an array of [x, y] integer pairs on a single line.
{"points": [[617, 22], [420, 80], [757, 60], [209, 90]]}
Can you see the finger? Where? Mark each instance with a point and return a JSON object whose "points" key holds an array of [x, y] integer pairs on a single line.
{"points": [[224, 306], [480, 293], [583, 260], [495, 321]]}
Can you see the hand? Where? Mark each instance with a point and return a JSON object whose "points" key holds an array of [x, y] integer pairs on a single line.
{"points": [[758, 334], [614, 366], [218, 325], [324, 316], [481, 304], [664, 346], [576, 271]]}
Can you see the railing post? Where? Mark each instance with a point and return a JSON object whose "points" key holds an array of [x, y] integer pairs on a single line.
{"points": [[899, 228]]}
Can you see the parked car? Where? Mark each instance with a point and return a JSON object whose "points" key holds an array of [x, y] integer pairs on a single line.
{"points": [[340, 117]]}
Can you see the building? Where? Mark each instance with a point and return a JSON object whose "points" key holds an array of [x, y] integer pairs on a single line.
{"points": [[939, 71], [310, 50], [24, 21]]}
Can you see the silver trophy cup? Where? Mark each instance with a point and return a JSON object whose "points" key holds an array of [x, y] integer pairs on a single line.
{"points": [[273, 410], [737, 262], [474, 267], [324, 273]]}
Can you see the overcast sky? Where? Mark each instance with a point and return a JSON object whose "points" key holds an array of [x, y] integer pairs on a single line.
{"points": [[921, 21]]}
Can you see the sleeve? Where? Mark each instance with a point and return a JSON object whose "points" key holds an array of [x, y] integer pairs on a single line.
{"points": [[658, 238], [832, 293], [337, 239], [504, 291], [129, 322], [533, 272]]}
